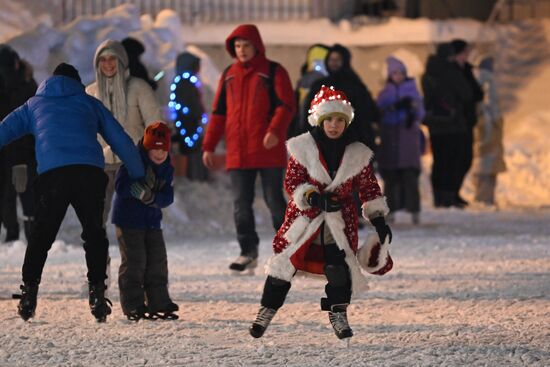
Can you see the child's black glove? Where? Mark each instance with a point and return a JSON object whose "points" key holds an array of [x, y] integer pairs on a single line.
{"points": [[326, 201], [142, 192], [382, 229]]}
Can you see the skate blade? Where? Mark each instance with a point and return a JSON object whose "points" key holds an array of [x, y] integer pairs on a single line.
{"points": [[345, 343]]}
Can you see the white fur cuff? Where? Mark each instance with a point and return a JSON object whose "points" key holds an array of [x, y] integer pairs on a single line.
{"points": [[375, 208], [299, 196]]}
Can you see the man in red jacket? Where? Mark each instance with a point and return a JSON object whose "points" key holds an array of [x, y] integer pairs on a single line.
{"points": [[253, 107]]}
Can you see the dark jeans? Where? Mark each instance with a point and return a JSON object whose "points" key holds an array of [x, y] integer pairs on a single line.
{"points": [[337, 289], [401, 189], [143, 269], [465, 163], [448, 166], [83, 187], [243, 183]]}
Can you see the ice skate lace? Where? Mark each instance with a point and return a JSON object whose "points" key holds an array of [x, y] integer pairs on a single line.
{"points": [[338, 320], [265, 315]]}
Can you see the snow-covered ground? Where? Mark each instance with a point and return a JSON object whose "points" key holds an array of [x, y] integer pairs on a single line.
{"points": [[469, 288]]}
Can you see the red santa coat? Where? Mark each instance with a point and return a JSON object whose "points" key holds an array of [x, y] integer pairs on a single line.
{"points": [[242, 111], [306, 170]]}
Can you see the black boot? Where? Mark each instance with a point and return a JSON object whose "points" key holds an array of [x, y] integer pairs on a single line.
{"points": [[264, 317], [99, 305], [338, 318], [27, 304]]}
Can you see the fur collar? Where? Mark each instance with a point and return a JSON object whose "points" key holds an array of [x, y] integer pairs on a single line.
{"points": [[304, 149]]}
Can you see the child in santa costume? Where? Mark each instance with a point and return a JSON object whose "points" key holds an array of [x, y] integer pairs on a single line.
{"points": [[319, 234]]}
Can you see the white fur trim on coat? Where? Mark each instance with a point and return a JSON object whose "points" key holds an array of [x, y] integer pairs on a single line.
{"points": [[304, 150], [299, 195], [328, 107], [365, 252], [375, 208]]}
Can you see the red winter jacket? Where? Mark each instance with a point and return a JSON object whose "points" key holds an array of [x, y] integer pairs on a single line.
{"points": [[242, 107]]}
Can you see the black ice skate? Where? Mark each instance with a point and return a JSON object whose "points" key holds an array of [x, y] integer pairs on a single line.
{"points": [[339, 320], [243, 263], [27, 303], [264, 317], [99, 305], [138, 314], [167, 313]]}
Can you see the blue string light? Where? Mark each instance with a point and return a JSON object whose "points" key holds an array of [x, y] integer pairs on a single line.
{"points": [[192, 136]]}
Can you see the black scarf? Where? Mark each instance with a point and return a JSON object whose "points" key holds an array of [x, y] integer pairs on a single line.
{"points": [[332, 150]]}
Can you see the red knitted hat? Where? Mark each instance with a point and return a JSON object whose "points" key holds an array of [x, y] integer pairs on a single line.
{"points": [[329, 101], [157, 136]]}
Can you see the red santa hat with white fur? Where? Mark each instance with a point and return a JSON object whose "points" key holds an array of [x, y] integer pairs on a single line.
{"points": [[329, 101], [374, 257]]}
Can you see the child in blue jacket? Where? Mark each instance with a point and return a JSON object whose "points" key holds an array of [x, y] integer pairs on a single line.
{"points": [[143, 273]]}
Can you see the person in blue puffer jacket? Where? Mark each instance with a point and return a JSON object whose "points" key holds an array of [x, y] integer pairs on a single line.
{"points": [[65, 122], [402, 109], [143, 272]]}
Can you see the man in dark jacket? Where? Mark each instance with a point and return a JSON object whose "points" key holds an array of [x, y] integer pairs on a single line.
{"points": [[343, 77], [461, 50], [253, 107], [445, 94], [18, 163], [65, 122], [135, 49]]}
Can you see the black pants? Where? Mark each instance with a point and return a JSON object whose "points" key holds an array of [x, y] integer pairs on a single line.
{"points": [[143, 269], [447, 167], [337, 289], [401, 189], [243, 183], [83, 187]]}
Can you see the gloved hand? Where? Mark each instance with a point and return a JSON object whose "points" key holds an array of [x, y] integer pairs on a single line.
{"points": [[411, 118], [327, 201], [382, 229], [142, 192], [404, 103], [150, 178], [19, 177]]}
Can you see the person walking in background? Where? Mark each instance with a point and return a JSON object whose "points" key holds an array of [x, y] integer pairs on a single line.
{"points": [[65, 122], [342, 77], [445, 94], [488, 148], [312, 70], [319, 235], [130, 99], [135, 49], [17, 159], [402, 109], [253, 107], [137, 215], [461, 52]]}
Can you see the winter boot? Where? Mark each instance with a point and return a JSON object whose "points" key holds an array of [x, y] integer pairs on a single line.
{"points": [[27, 303], [264, 317], [99, 305], [243, 263], [339, 320], [139, 313], [12, 234], [166, 313]]}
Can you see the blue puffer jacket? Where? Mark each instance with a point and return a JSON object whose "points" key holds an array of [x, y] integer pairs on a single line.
{"points": [[65, 122], [129, 212]]}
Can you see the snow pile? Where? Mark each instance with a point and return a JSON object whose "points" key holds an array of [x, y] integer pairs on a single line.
{"points": [[16, 19], [76, 42]]}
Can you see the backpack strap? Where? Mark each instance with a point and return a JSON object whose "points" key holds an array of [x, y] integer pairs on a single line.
{"points": [[274, 101], [221, 105]]}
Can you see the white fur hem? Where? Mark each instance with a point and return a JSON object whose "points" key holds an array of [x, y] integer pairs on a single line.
{"points": [[375, 208]]}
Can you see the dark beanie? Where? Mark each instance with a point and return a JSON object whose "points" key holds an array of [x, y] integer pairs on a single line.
{"points": [[459, 45], [67, 70]]}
